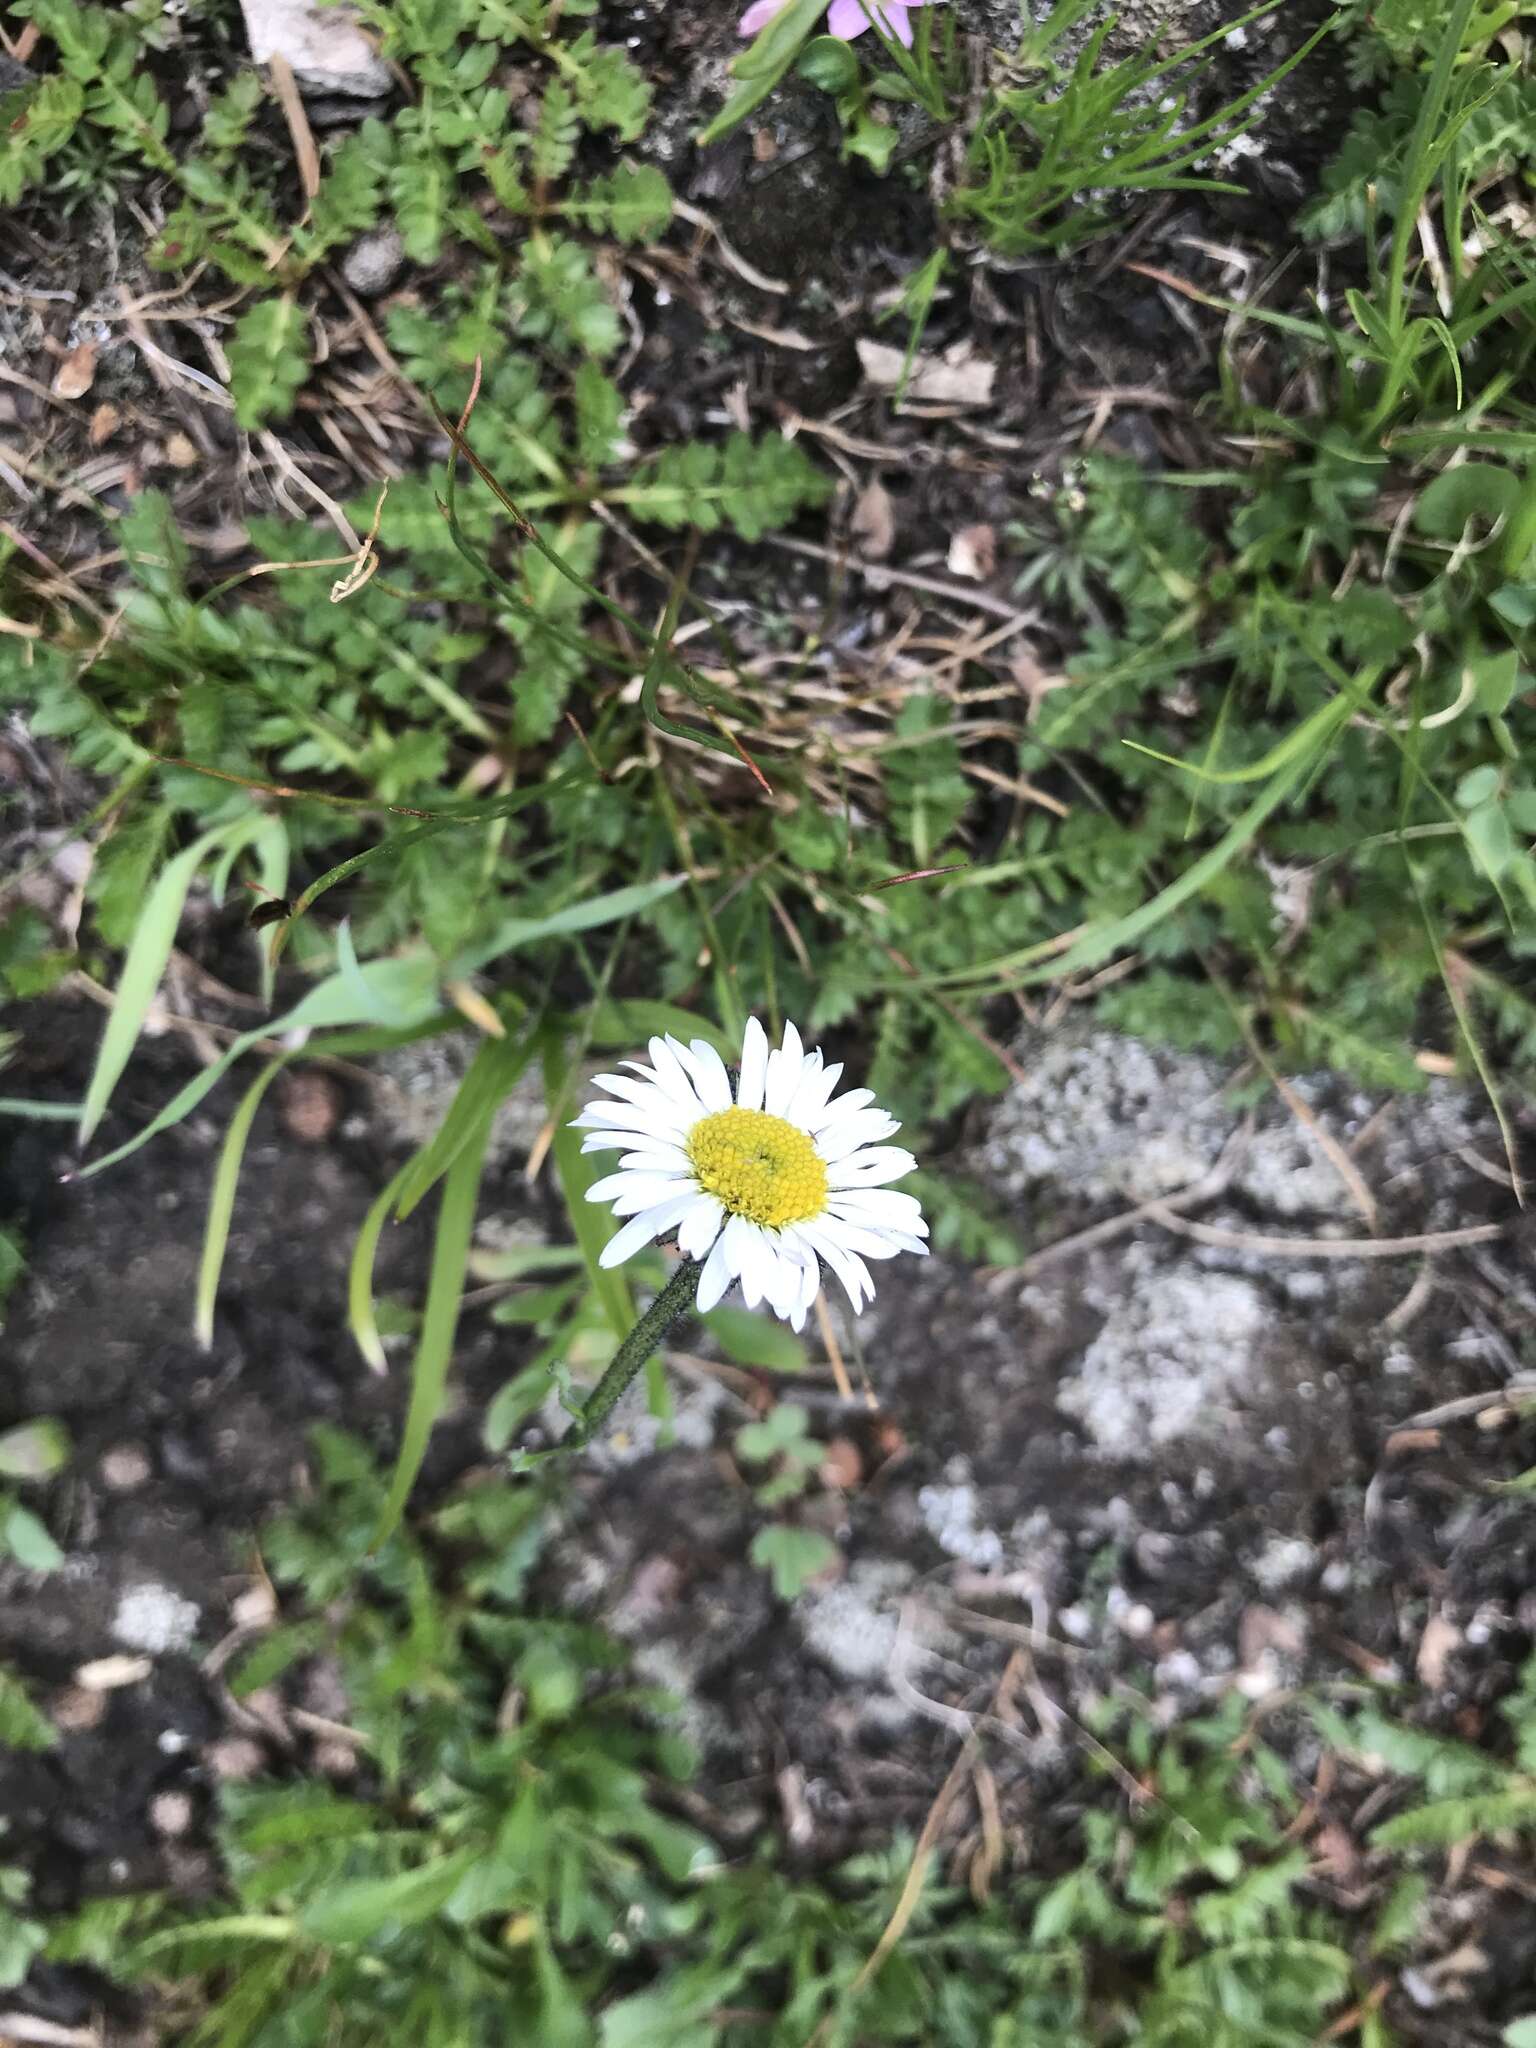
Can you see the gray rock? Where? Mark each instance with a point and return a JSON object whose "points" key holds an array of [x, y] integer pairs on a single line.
{"points": [[326, 46], [373, 263]]}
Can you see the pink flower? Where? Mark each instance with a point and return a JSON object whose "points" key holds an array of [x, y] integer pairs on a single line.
{"points": [[845, 18]]}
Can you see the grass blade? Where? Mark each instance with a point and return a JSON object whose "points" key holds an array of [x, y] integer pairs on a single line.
{"points": [[439, 1321], [153, 937], [496, 1068], [362, 1317], [581, 916], [221, 1200], [409, 984]]}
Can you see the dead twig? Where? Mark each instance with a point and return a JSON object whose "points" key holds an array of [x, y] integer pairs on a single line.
{"points": [[1322, 1247]]}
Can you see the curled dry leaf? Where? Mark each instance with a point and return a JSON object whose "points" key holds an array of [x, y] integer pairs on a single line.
{"points": [[109, 1674]]}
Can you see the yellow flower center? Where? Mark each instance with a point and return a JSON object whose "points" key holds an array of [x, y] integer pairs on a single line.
{"points": [[760, 1166]]}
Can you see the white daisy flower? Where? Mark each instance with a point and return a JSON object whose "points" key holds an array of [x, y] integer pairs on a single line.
{"points": [[765, 1183]]}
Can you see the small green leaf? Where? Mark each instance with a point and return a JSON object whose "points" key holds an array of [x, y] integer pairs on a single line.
{"points": [[1494, 678], [1491, 841], [764, 1341], [1476, 787], [784, 1428], [1473, 490], [34, 1450], [28, 1541], [348, 1913], [21, 1725], [829, 64], [793, 1556], [761, 66]]}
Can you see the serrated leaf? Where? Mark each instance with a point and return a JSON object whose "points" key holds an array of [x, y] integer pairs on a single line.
{"points": [[268, 360]]}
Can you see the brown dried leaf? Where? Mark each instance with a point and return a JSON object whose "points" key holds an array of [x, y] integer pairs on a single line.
{"points": [[842, 1467], [105, 421], [76, 374], [1337, 1853], [1439, 1639], [956, 378], [873, 525], [973, 553]]}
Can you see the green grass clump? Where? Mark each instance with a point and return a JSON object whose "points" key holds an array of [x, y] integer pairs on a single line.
{"points": [[512, 1853]]}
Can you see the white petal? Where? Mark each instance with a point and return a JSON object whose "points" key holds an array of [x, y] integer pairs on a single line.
{"points": [[871, 1240], [613, 1116], [745, 1249], [656, 1158], [716, 1277], [673, 1075], [784, 1070], [846, 1264], [864, 1127], [678, 1095], [845, 1105], [649, 1224], [871, 1167], [645, 1095], [706, 1070], [785, 1291], [754, 1066], [809, 1093], [629, 1193], [701, 1226], [880, 1205]]}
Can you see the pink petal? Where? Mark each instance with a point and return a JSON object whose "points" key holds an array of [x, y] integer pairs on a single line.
{"points": [[846, 20], [759, 14]]}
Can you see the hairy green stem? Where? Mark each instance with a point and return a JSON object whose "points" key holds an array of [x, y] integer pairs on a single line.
{"points": [[674, 1300]]}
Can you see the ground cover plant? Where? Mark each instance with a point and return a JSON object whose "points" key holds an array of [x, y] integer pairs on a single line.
{"points": [[517, 1849], [439, 659]]}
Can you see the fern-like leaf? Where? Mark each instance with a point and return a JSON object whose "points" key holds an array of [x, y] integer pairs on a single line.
{"points": [[268, 361]]}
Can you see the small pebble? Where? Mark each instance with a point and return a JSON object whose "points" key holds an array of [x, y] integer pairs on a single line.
{"points": [[124, 1468], [373, 263], [170, 1814], [234, 1758], [311, 1104], [77, 1709]]}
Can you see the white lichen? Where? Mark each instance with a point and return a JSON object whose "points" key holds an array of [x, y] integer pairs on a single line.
{"points": [[1170, 1363]]}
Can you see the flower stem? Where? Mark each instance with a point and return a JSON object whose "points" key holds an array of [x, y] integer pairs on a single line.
{"points": [[674, 1300]]}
